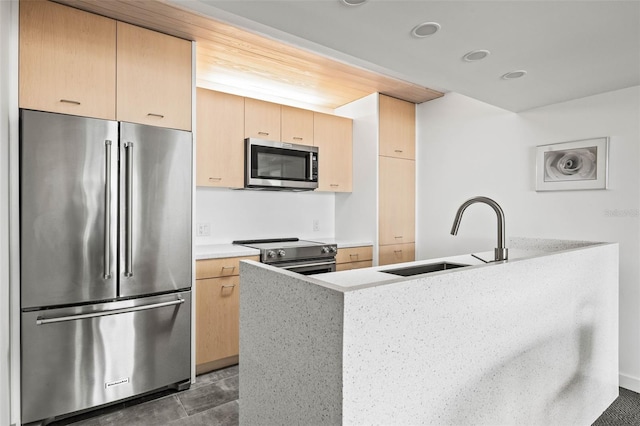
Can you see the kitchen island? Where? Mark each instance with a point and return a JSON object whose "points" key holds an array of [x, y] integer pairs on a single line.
{"points": [[532, 340]]}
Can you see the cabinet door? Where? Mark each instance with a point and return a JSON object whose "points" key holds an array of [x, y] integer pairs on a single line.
{"points": [[297, 126], [396, 253], [154, 78], [67, 60], [220, 139], [397, 201], [333, 136], [261, 120], [217, 319], [397, 128]]}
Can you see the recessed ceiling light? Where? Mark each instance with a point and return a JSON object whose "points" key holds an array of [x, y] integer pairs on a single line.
{"points": [[476, 55], [425, 29], [514, 74], [353, 2]]}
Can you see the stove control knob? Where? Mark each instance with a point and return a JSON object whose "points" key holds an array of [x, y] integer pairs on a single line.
{"points": [[333, 249], [271, 254], [325, 250], [281, 253]]}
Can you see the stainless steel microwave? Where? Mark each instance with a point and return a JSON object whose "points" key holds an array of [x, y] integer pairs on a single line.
{"points": [[280, 165]]}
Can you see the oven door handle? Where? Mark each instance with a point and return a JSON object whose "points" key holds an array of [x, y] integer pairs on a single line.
{"points": [[307, 265]]}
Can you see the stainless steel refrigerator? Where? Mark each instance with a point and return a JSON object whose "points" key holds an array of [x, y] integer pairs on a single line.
{"points": [[105, 234]]}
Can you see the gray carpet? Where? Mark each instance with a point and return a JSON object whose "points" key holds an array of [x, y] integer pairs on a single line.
{"points": [[625, 411]]}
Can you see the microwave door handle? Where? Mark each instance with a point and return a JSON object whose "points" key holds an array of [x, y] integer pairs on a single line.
{"points": [[311, 166]]}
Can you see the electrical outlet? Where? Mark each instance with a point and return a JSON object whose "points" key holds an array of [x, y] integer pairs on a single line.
{"points": [[203, 229], [316, 225]]}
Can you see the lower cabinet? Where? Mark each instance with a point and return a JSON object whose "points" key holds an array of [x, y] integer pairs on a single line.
{"points": [[354, 258], [217, 313], [397, 253]]}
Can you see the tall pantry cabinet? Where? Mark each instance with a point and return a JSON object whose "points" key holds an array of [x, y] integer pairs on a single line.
{"points": [[396, 180]]}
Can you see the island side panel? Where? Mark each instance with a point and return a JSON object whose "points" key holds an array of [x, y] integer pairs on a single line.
{"points": [[290, 349], [533, 341]]}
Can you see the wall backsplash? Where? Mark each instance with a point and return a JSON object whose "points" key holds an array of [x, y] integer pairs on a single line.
{"points": [[247, 214]]}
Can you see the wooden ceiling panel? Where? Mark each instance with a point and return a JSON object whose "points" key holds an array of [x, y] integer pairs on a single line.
{"points": [[248, 64]]}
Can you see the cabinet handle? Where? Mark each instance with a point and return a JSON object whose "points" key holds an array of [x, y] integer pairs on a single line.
{"points": [[67, 101], [398, 236], [155, 115], [297, 138], [398, 150], [335, 184], [397, 251], [264, 133], [229, 286], [215, 178], [228, 267], [353, 255]]}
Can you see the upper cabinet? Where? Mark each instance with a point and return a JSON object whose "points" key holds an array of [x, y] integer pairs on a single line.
{"points": [[220, 141], [333, 136], [75, 62], [154, 78], [261, 120], [297, 126], [67, 60], [397, 128]]}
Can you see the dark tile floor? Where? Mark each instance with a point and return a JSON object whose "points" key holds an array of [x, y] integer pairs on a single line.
{"points": [[211, 401]]}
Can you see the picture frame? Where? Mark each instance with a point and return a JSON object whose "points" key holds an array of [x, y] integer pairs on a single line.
{"points": [[575, 165]]}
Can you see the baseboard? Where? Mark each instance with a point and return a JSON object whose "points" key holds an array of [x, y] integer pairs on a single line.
{"points": [[628, 382]]}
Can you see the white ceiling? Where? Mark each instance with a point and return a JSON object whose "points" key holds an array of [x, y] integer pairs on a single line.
{"points": [[570, 49]]}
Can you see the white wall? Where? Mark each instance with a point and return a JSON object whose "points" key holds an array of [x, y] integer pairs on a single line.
{"points": [[246, 214], [467, 148], [357, 212]]}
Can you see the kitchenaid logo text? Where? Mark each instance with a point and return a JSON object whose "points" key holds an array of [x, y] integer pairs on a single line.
{"points": [[116, 383]]}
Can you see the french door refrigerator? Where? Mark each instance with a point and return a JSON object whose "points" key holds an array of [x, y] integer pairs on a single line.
{"points": [[105, 240]]}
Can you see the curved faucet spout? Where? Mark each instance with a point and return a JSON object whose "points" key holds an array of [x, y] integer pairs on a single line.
{"points": [[501, 252]]}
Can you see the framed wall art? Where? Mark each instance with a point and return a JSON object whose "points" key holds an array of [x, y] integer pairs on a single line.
{"points": [[574, 165]]}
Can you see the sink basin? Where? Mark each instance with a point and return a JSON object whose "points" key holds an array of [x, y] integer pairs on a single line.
{"points": [[424, 269]]}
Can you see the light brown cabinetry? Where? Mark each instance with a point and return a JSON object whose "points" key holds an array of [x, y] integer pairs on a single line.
{"points": [[75, 62], [396, 253], [261, 120], [220, 142], [154, 78], [67, 60], [397, 201], [217, 312], [296, 125], [397, 128], [333, 136], [354, 258], [396, 174]]}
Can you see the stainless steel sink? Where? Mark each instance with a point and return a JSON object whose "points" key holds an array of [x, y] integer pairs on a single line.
{"points": [[424, 269]]}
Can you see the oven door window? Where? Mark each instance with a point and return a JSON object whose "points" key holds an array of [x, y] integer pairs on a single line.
{"points": [[279, 163]]}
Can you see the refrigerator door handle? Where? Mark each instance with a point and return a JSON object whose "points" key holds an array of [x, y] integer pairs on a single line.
{"points": [[44, 320], [107, 211], [128, 262]]}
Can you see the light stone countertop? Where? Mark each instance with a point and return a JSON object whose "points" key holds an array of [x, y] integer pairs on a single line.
{"points": [[519, 248], [217, 251]]}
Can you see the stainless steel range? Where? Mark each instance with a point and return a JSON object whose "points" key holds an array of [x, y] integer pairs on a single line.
{"points": [[303, 257]]}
